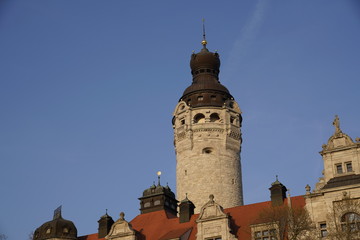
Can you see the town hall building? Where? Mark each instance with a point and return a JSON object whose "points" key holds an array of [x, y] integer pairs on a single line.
{"points": [[208, 204]]}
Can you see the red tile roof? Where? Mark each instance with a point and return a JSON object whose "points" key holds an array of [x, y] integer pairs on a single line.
{"points": [[162, 226]]}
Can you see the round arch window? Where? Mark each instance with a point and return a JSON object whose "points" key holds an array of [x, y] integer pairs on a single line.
{"points": [[214, 117], [199, 118]]}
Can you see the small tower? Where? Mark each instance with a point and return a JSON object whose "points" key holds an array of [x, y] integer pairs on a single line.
{"points": [[105, 223], [207, 136], [186, 210], [277, 193]]}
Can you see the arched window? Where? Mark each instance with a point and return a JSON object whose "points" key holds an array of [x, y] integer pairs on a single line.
{"points": [[214, 117], [199, 118], [350, 222]]}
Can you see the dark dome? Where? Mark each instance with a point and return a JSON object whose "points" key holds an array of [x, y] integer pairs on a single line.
{"points": [[56, 228], [205, 60], [205, 90]]}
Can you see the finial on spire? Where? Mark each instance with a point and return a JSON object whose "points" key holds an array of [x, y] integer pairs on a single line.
{"points": [[159, 174], [204, 42], [106, 211], [277, 178]]}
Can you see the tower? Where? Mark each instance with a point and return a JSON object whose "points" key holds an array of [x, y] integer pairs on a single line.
{"points": [[207, 137]]}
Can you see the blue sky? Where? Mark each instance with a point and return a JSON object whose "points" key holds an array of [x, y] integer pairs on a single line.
{"points": [[87, 90]]}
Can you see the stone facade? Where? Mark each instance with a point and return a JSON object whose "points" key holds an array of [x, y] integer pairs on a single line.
{"points": [[340, 181], [207, 144]]}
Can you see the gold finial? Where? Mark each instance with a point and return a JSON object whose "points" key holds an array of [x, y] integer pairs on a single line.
{"points": [[159, 174], [204, 42]]}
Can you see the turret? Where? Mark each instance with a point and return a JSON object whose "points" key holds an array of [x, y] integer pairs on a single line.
{"points": [[105, 223], [277, 193]]}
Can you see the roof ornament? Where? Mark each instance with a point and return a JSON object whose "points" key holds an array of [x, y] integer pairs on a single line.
{"points": [[336, 123], [57, 212], [211, 197], [159, 174], [204, 42]]}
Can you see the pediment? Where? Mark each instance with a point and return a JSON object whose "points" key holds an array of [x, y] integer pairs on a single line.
{"points": [[121, 229], [211, 210]]}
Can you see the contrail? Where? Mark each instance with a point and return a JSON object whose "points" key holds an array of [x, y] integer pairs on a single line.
{"points": [[247, 35]]}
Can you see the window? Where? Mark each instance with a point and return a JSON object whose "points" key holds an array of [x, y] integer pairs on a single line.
{"points": [[348, 167], [323, 230], [339, 169], [182, 121], [200, 98], [265, 235], [199, 118], [350, 222], [214, 117]]}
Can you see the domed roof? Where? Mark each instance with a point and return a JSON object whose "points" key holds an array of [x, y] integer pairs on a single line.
{"points": [[205, 90], [205, 60], [57, 228]]}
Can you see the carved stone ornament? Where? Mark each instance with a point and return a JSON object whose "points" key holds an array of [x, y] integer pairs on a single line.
{"points": [[121, 230], [213, 222], [211, 210], [338, 139]]}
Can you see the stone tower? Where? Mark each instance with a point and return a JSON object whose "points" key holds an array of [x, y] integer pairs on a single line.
{"points": [[207, 137]]}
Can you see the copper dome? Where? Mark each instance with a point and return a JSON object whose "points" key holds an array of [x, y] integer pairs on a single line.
{"points": [[205, 90]]}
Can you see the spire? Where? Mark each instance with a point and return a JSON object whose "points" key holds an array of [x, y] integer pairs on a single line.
{"points": [[204, 42]]}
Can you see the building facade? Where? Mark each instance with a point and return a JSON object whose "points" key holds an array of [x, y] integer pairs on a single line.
{"points": [[209, 200]]}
